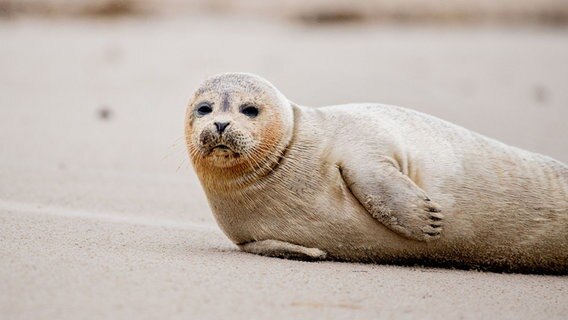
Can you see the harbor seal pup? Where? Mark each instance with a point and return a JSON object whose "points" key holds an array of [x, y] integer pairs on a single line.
{"points": [[371, 182]]}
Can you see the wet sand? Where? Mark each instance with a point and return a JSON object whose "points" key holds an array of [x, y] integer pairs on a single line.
{"points": [[102, 216]]}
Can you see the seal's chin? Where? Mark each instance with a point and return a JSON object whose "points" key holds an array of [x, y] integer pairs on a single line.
{"points": [[223, 156]]}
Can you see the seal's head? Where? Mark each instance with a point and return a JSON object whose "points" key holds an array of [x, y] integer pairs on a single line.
{"points": [[237, 121]]}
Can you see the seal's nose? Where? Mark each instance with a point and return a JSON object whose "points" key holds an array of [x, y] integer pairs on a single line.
{"points": [[221, 126]]}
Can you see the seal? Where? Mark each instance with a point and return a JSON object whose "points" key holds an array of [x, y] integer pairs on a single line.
{"points": [[371, 183]]}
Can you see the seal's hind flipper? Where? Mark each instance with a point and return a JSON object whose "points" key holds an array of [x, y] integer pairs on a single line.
{"points": [[281, 249]]}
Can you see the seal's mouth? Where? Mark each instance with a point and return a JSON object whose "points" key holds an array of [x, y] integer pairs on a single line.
{"points": [[222, 150], [221, 147]]}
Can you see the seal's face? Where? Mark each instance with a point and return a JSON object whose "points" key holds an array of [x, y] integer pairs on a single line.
{"points": [[234, 119]]}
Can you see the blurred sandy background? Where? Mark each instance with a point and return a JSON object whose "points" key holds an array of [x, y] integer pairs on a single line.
{"points": [[102, 216]]}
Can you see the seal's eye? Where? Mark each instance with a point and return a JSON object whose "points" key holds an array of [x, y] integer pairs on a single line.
{"points": [[250, 111], [204, 109]]}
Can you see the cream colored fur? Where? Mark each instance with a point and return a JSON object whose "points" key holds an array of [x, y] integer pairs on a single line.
{"points": [[375, 183]]}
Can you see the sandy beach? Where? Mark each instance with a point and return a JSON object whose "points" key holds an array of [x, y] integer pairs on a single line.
{"points": [[101, 215]]}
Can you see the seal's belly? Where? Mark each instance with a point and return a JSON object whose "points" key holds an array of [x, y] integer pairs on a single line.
{"points": [[313, 213]]}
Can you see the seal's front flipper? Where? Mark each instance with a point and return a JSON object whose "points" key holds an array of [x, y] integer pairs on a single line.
{"points": [[394, 199], [281, 249]]}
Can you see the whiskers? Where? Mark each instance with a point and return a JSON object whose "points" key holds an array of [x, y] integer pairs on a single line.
{"points": [[241, 169], [265, 156], [177, 150]]}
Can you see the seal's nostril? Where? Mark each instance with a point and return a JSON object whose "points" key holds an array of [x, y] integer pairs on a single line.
{"points": [[221, 126]]}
